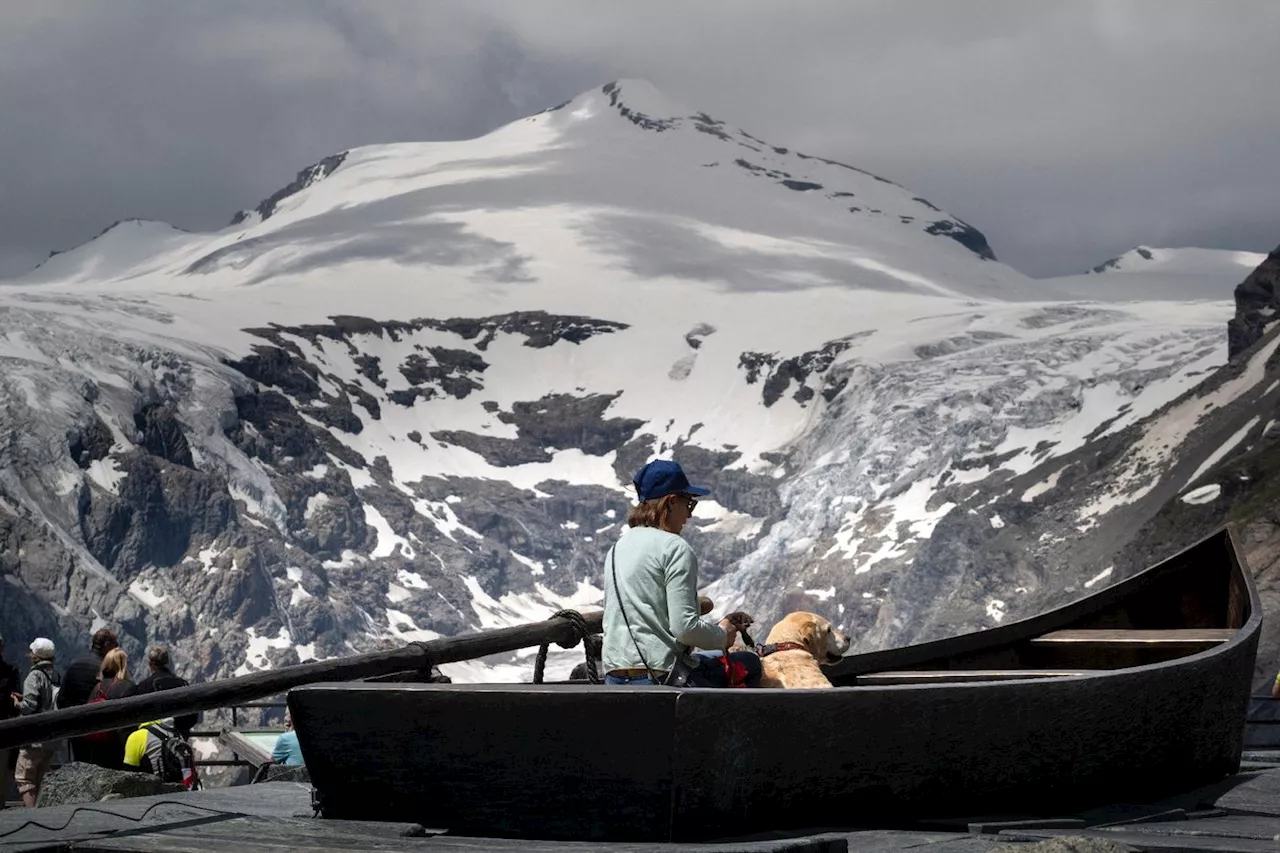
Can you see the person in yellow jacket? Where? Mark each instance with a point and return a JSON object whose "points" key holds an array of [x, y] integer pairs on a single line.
{"points": [[156, 747]]}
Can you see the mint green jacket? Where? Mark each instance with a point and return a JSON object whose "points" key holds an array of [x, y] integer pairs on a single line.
{"points": [[657, 576]]}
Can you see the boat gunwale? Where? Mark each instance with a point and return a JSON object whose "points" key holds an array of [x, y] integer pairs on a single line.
{"points": [[1033, 626], [1016, 631]]}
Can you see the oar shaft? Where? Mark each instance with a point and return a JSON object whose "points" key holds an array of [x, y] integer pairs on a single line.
{"points": [[132, 710]]}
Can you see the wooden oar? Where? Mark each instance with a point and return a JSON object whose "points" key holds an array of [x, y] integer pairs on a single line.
{"points": [[130, 711]]}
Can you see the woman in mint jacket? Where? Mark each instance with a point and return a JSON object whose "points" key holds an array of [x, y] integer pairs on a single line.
{"points": [[651, 615]]}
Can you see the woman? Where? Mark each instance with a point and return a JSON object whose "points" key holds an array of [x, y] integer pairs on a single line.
{"points": [[287, 750], [108, 746], [34, 759], [115, 683], [651, 613]]}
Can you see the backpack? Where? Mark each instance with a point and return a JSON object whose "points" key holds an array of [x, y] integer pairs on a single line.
{"points": [[50, 684], [177, 758], [100, 695]]}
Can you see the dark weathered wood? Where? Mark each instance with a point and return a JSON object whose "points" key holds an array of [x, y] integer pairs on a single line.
{"points": [[275, 799], [605, 761], [260, 834], [943, 676], [1112, 636], [1163, 816], [329, 836], [996, 826], [617, 763], [1262, 828], [1262, 731], [133, 710], [245, 748], [1150, 842], [895, 839], [1230, 832], [1258, 793]]}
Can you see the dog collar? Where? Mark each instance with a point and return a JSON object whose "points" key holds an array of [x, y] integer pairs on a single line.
{"points": [[769, 648]]}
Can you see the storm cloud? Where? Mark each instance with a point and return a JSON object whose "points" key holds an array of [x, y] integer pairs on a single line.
{"points": [[1067, 132]]}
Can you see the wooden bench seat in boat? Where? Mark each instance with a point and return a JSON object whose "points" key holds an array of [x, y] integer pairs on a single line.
{"points": [[1118, 648], [946, 676], [1193, 637]]}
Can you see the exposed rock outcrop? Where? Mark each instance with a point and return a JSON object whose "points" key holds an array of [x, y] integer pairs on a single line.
{"points": [[77, 782], [1257, 300]]}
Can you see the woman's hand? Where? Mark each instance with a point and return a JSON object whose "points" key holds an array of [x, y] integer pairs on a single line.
{"points": [[738, 622], [730, 631], [741, 621]]}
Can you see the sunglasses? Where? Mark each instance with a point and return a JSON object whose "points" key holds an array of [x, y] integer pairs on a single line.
{"points": [[691, 502]]}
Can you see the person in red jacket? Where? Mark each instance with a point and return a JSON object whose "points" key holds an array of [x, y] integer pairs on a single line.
{"points": [[115, 684]]}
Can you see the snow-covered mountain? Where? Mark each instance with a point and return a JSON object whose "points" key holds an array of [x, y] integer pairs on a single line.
{"points": [[1144, 273], [1186, 261], [403, 396]]}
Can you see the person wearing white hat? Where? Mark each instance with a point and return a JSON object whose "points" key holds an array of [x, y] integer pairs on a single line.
{"points": [[37, 696]]}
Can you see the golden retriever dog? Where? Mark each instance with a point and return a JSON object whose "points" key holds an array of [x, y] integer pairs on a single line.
{"points": [[806, 640]]}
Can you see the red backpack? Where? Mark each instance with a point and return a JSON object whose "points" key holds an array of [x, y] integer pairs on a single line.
{"points": [[99, 695]]}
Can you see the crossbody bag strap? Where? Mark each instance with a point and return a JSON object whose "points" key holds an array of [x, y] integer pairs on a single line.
{"points": [[617, 593]]}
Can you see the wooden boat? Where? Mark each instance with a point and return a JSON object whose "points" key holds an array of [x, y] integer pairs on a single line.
{"points": [[1134, 692]]}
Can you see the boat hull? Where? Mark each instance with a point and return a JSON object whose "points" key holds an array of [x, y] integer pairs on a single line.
{"points": [[661, 764]]}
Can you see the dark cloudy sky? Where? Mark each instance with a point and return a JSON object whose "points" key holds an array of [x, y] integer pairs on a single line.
{"points": [[1068, 131]]}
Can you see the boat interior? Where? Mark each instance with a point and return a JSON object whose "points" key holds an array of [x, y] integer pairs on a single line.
{"points": [[1192, 602]]}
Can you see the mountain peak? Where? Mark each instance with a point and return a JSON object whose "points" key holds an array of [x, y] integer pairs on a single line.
{"points": [[638, 101], [641, 96], [752, 215], [1188, 260]]}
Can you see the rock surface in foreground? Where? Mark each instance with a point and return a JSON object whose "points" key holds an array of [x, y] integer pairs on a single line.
{"points": [[78, 782]]}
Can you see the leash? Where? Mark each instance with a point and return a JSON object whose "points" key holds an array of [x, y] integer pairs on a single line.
{"points": [[740, 621]]}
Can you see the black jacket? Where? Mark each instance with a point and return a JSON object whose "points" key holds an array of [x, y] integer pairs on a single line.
{"points": [[10, 682], [79, 680], [163, 679]]}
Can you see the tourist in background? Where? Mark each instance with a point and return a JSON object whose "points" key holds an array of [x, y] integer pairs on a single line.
{"points": [[114, 684], [82, 676], [161, 677], [157, 748], [287, 750], [36, 698]]}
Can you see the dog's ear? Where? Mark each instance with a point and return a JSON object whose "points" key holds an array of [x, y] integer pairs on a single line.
{"points": [[811, 636]]}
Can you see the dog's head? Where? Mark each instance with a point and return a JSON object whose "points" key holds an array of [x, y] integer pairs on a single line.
{"points": [[814, 632]]}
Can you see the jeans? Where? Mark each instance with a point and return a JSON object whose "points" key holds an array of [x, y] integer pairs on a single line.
{"points": [[708, 673]]}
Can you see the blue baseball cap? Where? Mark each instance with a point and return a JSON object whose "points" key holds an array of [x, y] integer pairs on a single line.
{"points": [[663, 477]]}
